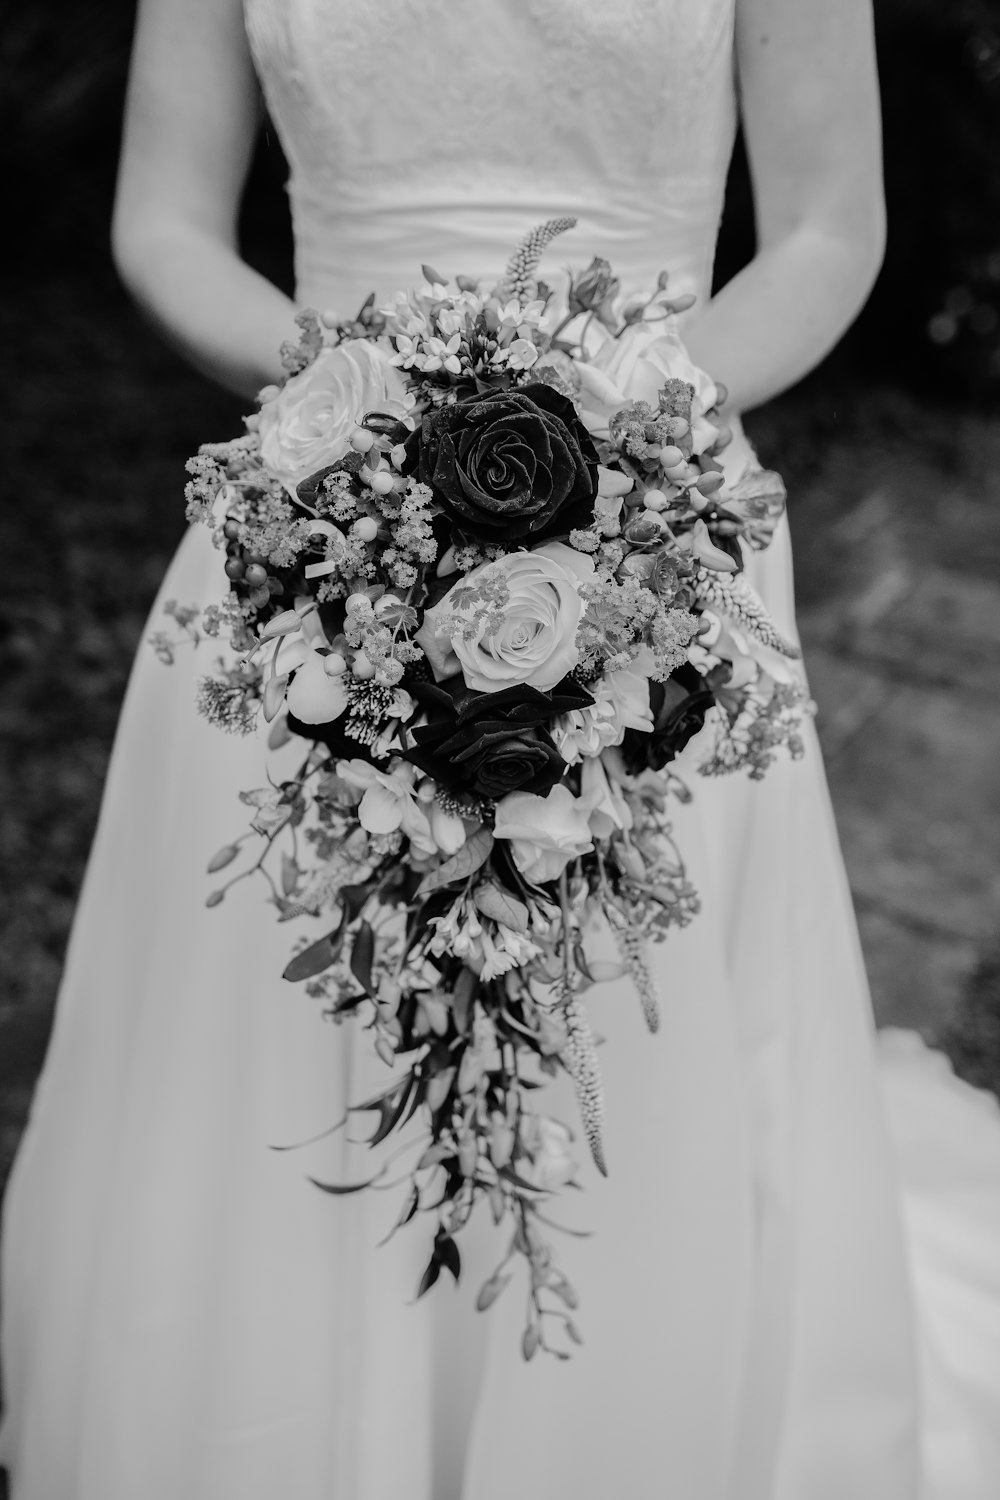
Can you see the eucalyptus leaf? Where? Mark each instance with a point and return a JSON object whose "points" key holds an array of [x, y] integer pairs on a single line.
{"points": [[471, 857], [314, 959], [362, 955], [493, 901]]}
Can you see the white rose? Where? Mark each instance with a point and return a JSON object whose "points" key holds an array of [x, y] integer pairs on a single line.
{"points": [[545, 833], [634, 367], [536, 640], [309, 423]]}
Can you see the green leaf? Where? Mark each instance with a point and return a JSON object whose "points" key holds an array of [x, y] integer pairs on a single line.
{"points": [[471, 857], [429, 1277], [493, 901], [362, 954], [391, 1110], [314, 959], [447, 1252], [342, 1189], [352, 898], [215, 898]]}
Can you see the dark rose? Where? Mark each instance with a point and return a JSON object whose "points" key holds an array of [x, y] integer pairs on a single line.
{"points": [[508, 465], [490, 744], [678, 706]]}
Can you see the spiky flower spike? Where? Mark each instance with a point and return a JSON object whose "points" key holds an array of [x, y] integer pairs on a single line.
{"points": [[519, 279], [579, 1058], [636, 960], [732, 595]]}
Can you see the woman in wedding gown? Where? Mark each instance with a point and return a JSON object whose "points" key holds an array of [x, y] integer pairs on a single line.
{"points": [[184, 1314]]}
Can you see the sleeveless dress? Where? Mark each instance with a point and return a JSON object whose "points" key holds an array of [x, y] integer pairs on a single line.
{"points": [[185, 1314]]}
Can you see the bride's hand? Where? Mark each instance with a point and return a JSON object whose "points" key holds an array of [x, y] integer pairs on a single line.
{"points": [[190, 124], [810, 113]]}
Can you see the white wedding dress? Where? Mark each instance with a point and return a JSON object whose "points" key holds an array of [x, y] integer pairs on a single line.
{"points": [[779, 1301]]}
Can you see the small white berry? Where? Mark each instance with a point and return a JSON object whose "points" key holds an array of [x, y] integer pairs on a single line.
{"points": [[365, 528]]}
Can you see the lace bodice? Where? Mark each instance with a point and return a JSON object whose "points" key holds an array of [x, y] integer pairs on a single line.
{"points": [[441, 130]]}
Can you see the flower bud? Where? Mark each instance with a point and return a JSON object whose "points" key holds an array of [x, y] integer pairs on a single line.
{"points": [[645, 526], [438, 1089], [385, 1050], [594, 290], [468, 1154], [655, 500], [362, 440], [225, 857], [274, 696], [501, 1142], [490, 1290], [709, 482], [383, 482], [365, 528]]}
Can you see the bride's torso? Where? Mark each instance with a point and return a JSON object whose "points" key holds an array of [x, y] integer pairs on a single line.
{"points": [[441, 130]]}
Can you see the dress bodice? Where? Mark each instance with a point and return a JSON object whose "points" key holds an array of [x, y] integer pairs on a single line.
{"points": [[440, 131]]}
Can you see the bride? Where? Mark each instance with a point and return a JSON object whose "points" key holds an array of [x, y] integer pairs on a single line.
{"points": [[776, 1307]]}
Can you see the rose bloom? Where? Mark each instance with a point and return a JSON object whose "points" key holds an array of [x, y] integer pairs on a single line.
{"points": [[509, 465], [536, 642], [308, 424], [545, 833], [633, 368]]}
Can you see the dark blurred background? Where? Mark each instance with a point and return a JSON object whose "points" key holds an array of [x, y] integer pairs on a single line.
{"points": [[891, 451]]}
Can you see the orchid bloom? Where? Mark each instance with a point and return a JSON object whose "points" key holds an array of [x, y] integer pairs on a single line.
{"points": [[520, 355], [313, 695], [440, 355], [389, 802]]}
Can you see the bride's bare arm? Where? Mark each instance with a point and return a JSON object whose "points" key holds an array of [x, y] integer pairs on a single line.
{"points": [[810, 109], [190, 125]]}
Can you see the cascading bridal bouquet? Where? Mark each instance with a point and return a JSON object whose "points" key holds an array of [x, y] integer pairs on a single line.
{"points": [[483, 560]]}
